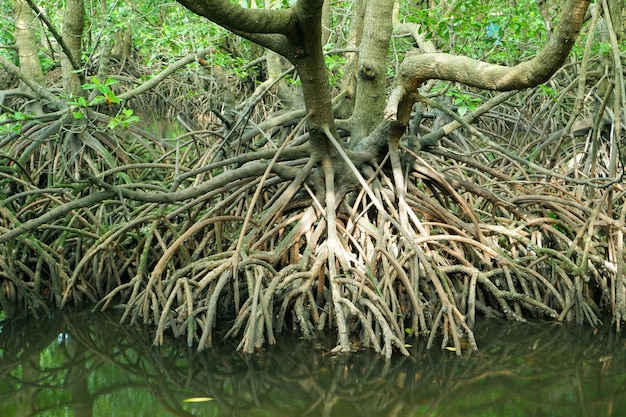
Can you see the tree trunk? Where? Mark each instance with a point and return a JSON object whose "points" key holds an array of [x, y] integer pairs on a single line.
{"points": [[349, 82], [25, 23], [73, 24], [310, 64], [372, 68], [296, 34], [617, 9]]}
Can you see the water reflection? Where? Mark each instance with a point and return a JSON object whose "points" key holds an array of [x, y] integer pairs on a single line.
{"points": [[85, 364]]}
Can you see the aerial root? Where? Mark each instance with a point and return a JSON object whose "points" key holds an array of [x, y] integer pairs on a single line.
{"points": [[412, 251]]}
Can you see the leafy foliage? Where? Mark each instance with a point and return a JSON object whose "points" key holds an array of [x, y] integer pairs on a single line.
{"points": [[493, 31]]}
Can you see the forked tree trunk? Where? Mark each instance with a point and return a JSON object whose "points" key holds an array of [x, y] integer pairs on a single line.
{"points": [[296, 34]]}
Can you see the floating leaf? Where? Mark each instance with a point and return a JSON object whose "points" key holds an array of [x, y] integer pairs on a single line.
{"points": [[451, 348], [198, 399]]}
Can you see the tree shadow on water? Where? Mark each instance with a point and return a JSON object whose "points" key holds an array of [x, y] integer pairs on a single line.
{"points": [[83, 364]]}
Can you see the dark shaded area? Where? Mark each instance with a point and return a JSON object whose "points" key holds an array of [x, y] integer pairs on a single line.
{"points": [[83, 364]]}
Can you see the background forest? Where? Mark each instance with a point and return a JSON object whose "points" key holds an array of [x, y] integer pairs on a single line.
{"points": [[370, 170]]}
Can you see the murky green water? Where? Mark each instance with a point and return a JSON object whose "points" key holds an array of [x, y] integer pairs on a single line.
{"points": [[85, 364]]}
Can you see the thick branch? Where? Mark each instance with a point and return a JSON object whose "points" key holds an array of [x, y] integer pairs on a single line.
{"points": [[296, 34], [258, 25], [416, 69]]}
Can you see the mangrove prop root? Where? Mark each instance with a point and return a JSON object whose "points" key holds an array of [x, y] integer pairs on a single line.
{"points": [[376, 255]]}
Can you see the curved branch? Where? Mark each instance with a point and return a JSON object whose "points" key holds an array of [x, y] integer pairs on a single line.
{"points": [[173, 67], [416, 69], [244, 21]]}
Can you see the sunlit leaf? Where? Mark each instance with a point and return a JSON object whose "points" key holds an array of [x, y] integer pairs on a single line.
{"points": [[451, 348]]}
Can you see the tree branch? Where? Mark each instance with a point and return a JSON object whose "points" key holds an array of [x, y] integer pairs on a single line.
{"points": [[173, 67], [53, 214], [418, 68], [37, 88], [258, 25]]}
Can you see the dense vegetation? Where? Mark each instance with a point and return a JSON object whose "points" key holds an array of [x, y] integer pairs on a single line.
{"points": [[169, 168]]}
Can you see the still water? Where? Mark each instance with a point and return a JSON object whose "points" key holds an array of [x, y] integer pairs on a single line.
{"points": [[79, 364]]}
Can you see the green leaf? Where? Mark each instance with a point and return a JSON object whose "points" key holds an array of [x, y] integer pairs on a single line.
{"points": [[97, 100], [112, 97], [79, 101], [18, 115]]}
